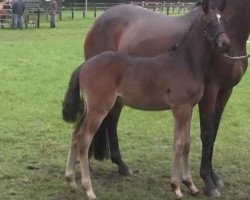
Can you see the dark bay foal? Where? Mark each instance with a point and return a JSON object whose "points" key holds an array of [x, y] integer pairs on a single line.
{"points": [[174, 80]]}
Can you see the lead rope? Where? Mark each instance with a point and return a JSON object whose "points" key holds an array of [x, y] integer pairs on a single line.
{"points": [[237, 57]]}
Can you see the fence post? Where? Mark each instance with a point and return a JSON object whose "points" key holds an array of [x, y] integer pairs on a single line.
{"points": [[38, 18], [72, 12], [95, 12], [60, 15]]}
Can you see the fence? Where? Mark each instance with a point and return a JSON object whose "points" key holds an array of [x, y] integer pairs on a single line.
{"points": [[162, 7], [5, 14], [33, 10]]}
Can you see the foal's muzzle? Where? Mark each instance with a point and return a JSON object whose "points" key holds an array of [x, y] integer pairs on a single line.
{"points": [[223, 42]]}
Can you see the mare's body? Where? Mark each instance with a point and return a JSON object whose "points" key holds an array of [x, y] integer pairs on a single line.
{"points": [[140, 32], [173, 81]]}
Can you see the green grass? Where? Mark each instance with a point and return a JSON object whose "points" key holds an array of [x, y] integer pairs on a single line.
{"points": [[34, 72]]}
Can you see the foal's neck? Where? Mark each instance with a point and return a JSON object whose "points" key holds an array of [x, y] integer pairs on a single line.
{"points": [[197, 49]]}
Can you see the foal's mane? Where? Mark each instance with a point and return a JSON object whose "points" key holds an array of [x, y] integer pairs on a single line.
{"points": [[184, 38]]}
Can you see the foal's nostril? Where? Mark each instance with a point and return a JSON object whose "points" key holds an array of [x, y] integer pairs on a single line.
{"points": [[226, 45]]}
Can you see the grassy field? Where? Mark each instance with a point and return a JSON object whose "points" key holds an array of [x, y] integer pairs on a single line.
{"points": [[35, 66]]}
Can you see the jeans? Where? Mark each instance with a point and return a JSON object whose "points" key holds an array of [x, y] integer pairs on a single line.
{"points": [[52, 21], [18, 21]]}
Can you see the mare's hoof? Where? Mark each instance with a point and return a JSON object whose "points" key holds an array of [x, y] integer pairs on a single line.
{"points": [[212, 193], [125, 171], [220, 183]]}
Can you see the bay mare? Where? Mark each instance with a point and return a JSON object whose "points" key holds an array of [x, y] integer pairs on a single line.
{"points": [[139, 32], [172, 80]]}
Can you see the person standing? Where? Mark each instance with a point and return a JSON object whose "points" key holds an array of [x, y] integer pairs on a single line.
{"points": [[53, 9], [18, 9]]}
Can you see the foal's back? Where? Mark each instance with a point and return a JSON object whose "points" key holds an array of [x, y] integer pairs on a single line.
{"points": [[156, 83]]}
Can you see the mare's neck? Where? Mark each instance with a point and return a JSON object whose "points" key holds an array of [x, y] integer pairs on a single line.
{"points": [[237, 18], [193, 14]]}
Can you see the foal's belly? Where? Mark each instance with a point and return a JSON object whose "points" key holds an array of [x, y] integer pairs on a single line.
{"points": [[145, 102], [160, 98]]}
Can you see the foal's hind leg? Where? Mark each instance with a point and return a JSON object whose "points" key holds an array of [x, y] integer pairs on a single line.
{"points": [[73, 152], [182, 117], [84, 138]]}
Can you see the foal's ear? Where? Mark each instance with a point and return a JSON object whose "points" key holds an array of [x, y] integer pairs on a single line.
{"points": [[205, 6], [223, 5]]}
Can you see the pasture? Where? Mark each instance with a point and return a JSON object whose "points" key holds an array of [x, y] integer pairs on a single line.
{"points": [[35, 67]]}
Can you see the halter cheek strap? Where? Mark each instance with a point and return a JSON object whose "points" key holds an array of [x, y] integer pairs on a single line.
{"points": [[217, 33]]}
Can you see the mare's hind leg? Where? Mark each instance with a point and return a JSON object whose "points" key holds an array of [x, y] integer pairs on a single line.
{"points": [[73, 151], [112, 121], [182, 117]]}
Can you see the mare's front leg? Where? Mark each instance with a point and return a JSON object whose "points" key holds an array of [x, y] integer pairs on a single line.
{"points": [[182, 118], [211, 107], [112, 121], [221, 102]]}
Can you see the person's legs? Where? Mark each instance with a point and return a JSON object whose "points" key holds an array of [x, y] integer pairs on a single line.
{"points": [[15, 21], [52, 21], [21, 21]]}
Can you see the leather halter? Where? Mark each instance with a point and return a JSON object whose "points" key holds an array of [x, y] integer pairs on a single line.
{"points": [[212, 38]]}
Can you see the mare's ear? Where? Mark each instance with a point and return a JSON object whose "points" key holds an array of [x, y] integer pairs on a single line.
{"points": [[205, 6], [223, 5]]}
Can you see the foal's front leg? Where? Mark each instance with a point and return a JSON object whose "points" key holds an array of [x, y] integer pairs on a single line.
{"points": [[186, 175], [182, 117]]}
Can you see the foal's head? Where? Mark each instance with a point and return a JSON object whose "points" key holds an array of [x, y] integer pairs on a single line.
{"points": [[214, 26]]}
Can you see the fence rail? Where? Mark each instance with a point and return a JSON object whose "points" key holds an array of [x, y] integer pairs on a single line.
{"points": [[168, 8], [34, 10]]}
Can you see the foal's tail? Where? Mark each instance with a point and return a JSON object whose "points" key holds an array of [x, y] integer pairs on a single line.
{"points": [[72, 103]]}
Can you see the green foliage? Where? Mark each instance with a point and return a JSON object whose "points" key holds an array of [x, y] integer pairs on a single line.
{"points": [[35, 68]]}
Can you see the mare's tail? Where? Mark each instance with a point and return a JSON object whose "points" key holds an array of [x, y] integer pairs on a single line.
{"points": [[72, 103]]}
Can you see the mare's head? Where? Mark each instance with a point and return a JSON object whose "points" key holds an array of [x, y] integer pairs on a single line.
{"points": [[213, 24]]}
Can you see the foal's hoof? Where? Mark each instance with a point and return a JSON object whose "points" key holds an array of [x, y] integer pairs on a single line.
{"points": [[73, 186], [178, 194], [195, 192], [91, 195], [125, 171], [71, 182], [193, 189], [212, 193]]}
